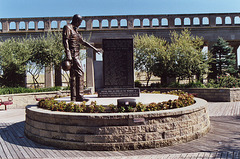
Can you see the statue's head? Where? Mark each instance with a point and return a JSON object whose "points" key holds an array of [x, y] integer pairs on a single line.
{"points": [[76, 20]]}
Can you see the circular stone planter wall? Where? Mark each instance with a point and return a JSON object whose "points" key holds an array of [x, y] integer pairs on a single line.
{"points": [[117, 131]]}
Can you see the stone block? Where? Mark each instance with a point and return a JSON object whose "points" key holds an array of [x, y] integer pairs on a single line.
{"points": [[171, 134], [99, 139], [154, 136], [74, 137], [185, 131], [38, 125], [57, 135], [45, 133], [35, 131]]}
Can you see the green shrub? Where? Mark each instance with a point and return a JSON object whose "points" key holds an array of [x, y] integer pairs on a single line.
{"points": [[140, 107], [113, 108], [155, 85], [228, 81], [94, 108], [16, 90], [197, 84], [224, 81], [121, 109], [137, 83], [51, 104]]}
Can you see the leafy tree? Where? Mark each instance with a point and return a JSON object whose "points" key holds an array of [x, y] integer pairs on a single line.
{"points": [[14, 55], [48, 52], [146, 52], [187, 54], [182, 57], [224, 61], [31, 55]]}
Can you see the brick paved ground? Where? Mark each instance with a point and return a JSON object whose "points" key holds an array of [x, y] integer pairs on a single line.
{"points": [[223, 140]]}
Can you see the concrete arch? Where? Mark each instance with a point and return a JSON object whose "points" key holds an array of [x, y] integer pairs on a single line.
{"points": [[40, 25], [146, 22], [187, 21], [228, 20], [123, 23], [155, 22], [54, 24], [136, 23], [219, 21], [95, 23], [83, 24], [105, 23], [196, 21], [237, 20], [114, 23], [164, 22], [205, 21], [62, 23], [177, 22], [12, 26], [22, 25], [31, 25]]}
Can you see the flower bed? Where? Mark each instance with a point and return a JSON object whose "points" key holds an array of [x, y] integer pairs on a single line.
{"points": [[183, 100]]}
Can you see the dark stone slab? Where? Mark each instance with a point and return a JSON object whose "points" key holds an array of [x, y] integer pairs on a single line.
{"points": [[118, 70], [126, 102], [119, 92]]}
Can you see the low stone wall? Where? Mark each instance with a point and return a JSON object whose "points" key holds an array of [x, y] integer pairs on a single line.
{"points": [[209, 94], [22, 99], [234, 94], [117, 131]]}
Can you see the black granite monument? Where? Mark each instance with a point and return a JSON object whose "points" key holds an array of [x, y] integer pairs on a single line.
{"points": [[118, 69]]}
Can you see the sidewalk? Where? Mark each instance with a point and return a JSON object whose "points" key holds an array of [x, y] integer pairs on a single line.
{"points": [[223, 140]]}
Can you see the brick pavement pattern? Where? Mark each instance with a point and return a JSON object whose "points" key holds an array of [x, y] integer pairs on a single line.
{"points": [[223, 140]]}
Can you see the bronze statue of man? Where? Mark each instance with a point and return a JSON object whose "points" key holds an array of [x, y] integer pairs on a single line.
{"points": [[71, 42]]}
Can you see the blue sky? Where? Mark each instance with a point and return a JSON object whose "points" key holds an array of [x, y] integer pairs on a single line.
{"points": [[51, 8]]}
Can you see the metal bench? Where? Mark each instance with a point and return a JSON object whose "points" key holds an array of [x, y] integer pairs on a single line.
{"points": [[8, 102], [38, 99]]}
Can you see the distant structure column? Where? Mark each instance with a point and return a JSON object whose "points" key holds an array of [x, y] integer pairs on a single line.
{"points": [[47, 25], [26, 25], [88, 24], [235, 46], [48, 77], [171, 22], [5, 26], [90, 70], [17, 26], [130, 23], [212, 20]]}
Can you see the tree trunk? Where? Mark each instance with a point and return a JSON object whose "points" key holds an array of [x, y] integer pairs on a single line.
{"points": [[58, 76], [164, 81]]}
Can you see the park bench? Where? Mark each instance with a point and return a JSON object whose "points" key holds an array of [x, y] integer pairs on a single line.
{"points": [[8, 102], [38, 99]]}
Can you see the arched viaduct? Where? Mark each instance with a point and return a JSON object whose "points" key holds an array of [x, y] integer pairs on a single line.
{"points": [[208, 26]]}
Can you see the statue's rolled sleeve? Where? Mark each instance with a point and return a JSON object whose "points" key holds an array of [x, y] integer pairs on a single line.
{"points": [[66, 37]]}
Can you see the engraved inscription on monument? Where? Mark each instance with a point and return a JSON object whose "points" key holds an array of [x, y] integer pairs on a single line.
{"points": [[118, 63], [118, 70]]}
